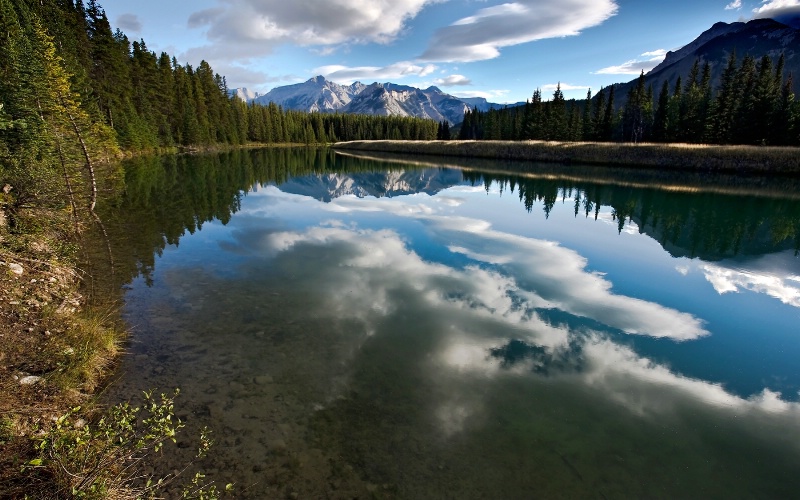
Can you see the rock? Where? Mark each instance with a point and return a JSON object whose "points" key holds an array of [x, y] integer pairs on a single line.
{"points": [[16, 268], [29, 380]]}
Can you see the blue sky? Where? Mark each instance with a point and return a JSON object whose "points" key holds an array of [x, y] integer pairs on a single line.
{"points": [[498, 49]]}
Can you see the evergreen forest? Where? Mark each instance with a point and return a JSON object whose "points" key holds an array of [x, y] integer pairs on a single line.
{"points": [[753, 104]]}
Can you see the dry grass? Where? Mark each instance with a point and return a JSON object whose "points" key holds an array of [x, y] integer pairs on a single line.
{"points": [[744, 159]]}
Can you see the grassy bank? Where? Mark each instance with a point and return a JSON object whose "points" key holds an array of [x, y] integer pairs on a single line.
{"points": [[738, 159], [56, 347], [686, 181], [61, 337]]}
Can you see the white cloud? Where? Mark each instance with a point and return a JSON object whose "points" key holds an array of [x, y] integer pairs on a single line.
{"points": [[551, 87], [482, 35], [784, 11], [486, 94], [655, 53], [635, 66], [310, 22], [368, 74], [452, 81], [129, 22], [735, 5], [773, 7]]}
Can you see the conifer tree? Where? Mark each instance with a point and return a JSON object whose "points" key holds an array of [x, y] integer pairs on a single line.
{"points": [[586, 131], [661, 117], [597, 118], [724, 112]]}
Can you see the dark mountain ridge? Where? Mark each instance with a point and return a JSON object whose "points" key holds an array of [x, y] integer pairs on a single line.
{"points": [[756, 38]]}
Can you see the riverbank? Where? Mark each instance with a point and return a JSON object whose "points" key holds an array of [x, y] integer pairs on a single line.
{"points": [[686, 181], [56, 350], [710, 158]]}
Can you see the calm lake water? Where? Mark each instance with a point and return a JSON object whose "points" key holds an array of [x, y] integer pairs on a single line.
{"points": [[364, 328]]}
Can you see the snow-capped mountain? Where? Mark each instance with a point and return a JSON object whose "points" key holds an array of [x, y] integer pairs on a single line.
{"points": [[390, 99], [245, 94], [316, 94], [387, 99], [326, 187]]}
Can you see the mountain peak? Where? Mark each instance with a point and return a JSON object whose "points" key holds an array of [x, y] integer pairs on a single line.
{"points": [[387, 99]]}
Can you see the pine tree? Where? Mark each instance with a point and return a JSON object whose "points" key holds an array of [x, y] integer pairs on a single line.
{"points": [[597, 118], [724, 111], [661, 118], [586, 132], [607, 128]]}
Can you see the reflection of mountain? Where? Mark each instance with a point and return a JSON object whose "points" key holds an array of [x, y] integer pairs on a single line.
{"points": [[328, 186]]}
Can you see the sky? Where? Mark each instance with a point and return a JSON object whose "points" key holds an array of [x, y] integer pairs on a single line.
{"points": [[498, 49]]}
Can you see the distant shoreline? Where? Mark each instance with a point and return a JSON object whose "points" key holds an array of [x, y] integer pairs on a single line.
{"points": [[783, 161]]}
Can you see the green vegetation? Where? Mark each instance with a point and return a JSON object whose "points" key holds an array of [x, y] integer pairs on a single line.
{"points": [[754, 104], [103, 459]]}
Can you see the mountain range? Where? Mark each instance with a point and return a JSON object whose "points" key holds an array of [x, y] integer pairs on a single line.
{"points": [[322, 95], [327, 187], [757, 38]]}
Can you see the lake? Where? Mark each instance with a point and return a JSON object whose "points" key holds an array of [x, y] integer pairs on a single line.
{"points": [[396, 328]]}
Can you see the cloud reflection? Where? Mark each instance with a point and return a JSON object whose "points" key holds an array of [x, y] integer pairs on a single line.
{"points": [[545, 274], [727, 280], [484, 314]]}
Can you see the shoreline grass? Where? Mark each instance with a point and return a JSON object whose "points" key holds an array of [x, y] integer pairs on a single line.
{"points": [[685, 181], [709, 158]]}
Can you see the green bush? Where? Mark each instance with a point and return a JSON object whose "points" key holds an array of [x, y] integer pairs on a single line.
{"points": [[103, 459]]}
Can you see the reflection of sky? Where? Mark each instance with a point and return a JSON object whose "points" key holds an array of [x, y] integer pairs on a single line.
{"points": [[767, 275], [651, 339]]}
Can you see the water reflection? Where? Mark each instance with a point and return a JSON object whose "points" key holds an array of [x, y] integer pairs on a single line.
{"points": [[351, 328]]}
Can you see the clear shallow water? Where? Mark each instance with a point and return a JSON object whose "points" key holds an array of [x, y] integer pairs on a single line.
{"points": [[432, 333]]}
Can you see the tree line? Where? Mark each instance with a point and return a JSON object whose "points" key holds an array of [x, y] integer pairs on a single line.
{"points": [[753, 104]]}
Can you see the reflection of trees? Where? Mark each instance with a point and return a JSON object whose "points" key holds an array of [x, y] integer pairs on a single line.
{"points": [[711, 226], [164, 197]]}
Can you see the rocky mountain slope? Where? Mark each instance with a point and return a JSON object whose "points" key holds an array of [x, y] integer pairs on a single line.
{"points": [[387, 99]]}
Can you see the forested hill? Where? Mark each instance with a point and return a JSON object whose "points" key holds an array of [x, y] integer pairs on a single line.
{"points": [[753, 104], [755, 38]]}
